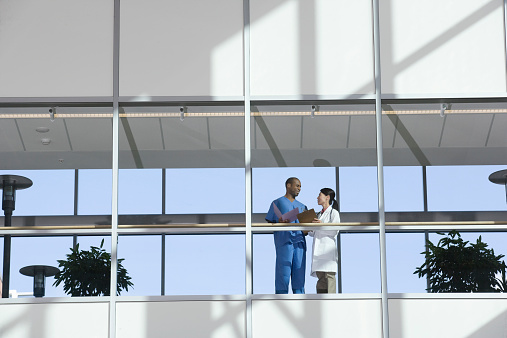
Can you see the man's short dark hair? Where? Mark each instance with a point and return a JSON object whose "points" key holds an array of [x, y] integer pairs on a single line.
{"points": [[290, 180]]}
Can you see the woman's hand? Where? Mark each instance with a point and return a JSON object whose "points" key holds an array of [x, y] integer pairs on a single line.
{"points": [[316, 220]]}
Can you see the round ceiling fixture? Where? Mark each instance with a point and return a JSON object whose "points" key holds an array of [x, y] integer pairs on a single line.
{"points": [[42, 129]]}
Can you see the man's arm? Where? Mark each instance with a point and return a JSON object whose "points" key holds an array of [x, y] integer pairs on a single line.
{"points": [[270, 216]]}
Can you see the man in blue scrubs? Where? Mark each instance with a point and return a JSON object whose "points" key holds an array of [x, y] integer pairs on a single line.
{"points": [[290, 245]]}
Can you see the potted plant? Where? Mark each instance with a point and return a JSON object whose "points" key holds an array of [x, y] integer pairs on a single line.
{"points": [[455, 265], [88, 273]]}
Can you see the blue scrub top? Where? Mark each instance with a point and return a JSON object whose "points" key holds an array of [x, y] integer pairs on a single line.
{"points": [[284, 205]]}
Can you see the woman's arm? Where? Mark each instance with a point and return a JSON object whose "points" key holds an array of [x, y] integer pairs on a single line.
{"points": [[335, 216]]}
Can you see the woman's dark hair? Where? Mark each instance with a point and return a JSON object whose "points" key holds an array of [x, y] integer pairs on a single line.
{"points": [[330, 192]]}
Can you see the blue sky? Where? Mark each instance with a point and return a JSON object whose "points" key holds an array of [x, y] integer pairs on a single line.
{"points": [[219, 259]]}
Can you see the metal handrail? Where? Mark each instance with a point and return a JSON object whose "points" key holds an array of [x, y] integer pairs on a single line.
{"points": [[278, 225], [256, 227]]}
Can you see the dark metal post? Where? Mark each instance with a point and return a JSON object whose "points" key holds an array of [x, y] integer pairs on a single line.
{"points": [[7, 260], [8, 198], [9, 184]]}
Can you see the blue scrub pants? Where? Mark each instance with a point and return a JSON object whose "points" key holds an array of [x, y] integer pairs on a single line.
{"points": [[290, 263]]}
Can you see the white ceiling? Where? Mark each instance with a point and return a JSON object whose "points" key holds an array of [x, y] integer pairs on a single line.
{"points": [[344, 139]]}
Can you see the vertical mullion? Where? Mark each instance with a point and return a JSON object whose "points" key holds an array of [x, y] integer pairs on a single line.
{"points": [[162, 264], [248, 171], [425, 189], [337, 176], [505, 30], [338, 236], [163, 190], [115, 169], [380, 170], [76, 190], [162, 268], [339, 263], [426, 249], [426, 232]]}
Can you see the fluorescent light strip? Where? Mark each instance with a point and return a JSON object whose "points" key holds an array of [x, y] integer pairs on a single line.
{"points": [[46, 116], [241, 114]]}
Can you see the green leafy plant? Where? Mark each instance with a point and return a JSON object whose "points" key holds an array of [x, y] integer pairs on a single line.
{"points": [[88, 273], [455, 265]]}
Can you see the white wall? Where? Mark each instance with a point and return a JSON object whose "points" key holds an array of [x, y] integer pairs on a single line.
{"points": [[456, 316], [442, 46], [311, 47], [360, 317], [54, 320], [207, 319], [299, 49], [180, 48], [56, 48], [317, 318]]}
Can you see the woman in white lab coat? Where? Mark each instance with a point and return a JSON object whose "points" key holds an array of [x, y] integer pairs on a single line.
{"points": [[325, 253]]}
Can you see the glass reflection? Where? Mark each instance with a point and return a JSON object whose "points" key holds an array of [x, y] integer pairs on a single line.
{"points": [[457, 146], [327, 146], [178, 162]]}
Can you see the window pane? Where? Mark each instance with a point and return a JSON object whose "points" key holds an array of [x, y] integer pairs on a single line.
{"points": [[458, 146], [403, 257], [264, 265], [311, 143], [86, 242], [95, 191], [205, 264], [360, 263], [49, 145], [269, 183], [403, 189], [142, 256], [464, 188], [358, 189], [26, 251], [140, 191], [52, 193], [494, 240], [223, 188], [51, 153], [2, 253], [168, 159]]}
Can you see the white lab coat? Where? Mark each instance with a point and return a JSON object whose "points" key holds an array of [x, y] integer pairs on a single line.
{"points": [[324, 252]]}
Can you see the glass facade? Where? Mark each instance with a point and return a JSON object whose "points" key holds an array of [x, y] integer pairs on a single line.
{"points": [[168, 139]]}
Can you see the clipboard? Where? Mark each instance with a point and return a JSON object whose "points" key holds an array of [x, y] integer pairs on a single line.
{"points": [[307, 216]]}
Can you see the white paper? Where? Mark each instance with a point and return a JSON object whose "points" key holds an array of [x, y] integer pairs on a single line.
{"points": [[291, 216], [277, 211]]}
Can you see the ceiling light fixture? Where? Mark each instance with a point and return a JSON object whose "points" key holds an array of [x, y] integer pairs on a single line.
{"points": [[183, 111], [314, 109], [254, 114], [52, 112], [443, 108]]}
